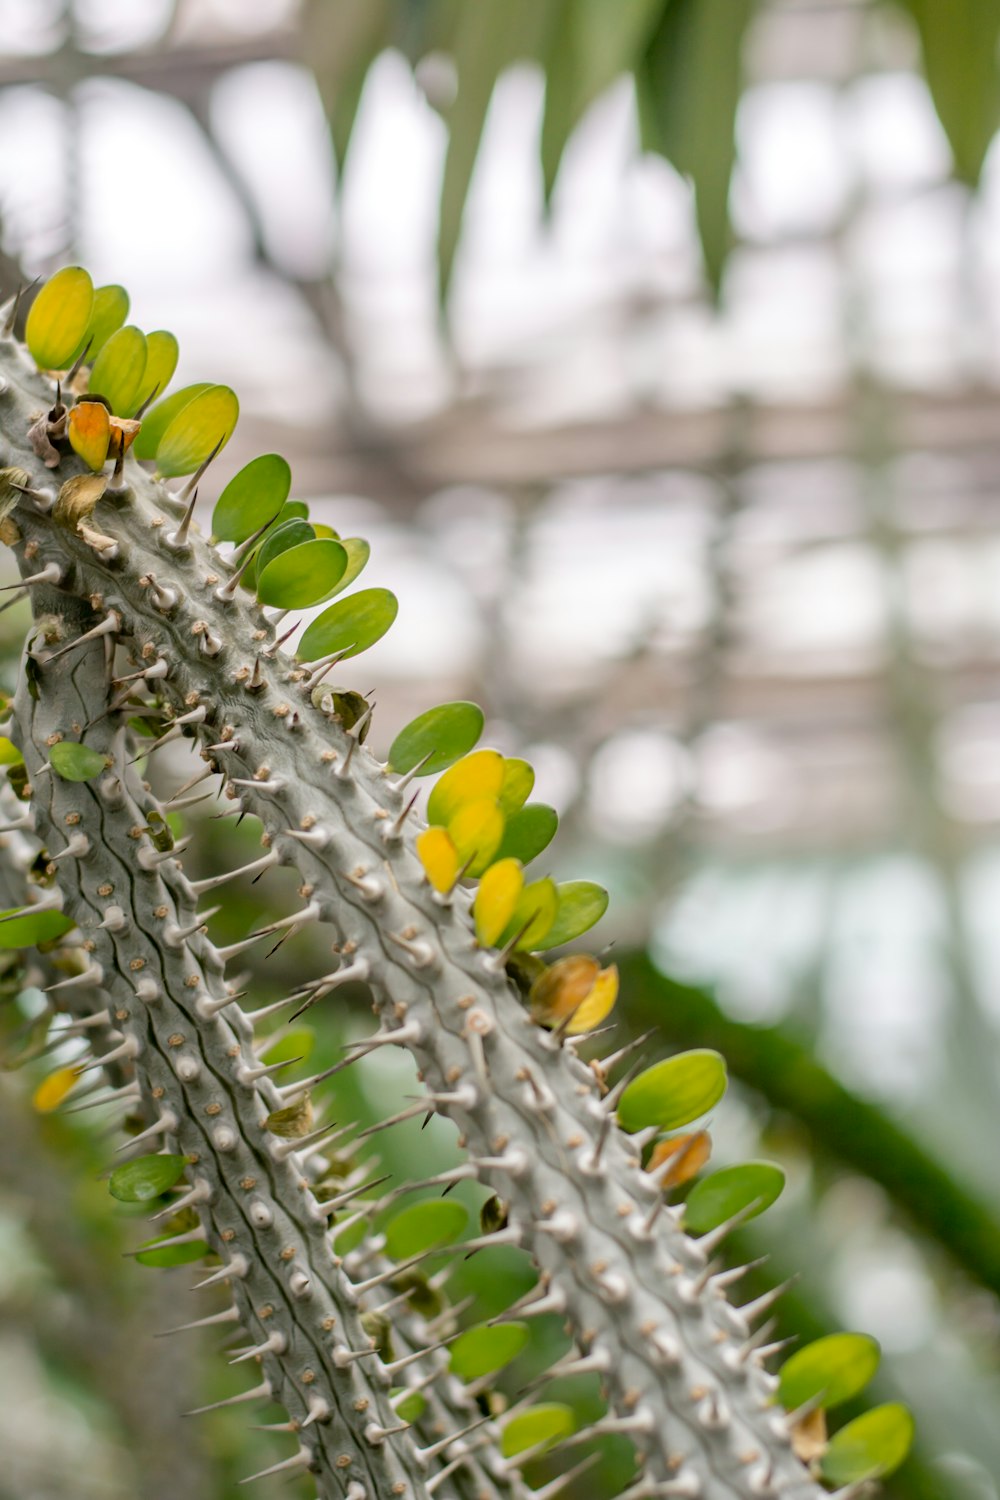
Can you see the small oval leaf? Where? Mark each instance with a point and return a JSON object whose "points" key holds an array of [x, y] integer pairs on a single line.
{"points": [[51, 1092], [284, 535], [480, 1351], [871, 1447], [439, 857], [58, 318], [161, 362], [533, 916], [253, 496], [518, 781], [437, 738], [107, 315], [730, 1191], [581, 904], [20, 927], [476, 830], [674, 1092], [349, 626], [118, 370], [358, 552], [200, 426], [575, 993], [529, 830], [145, 1178], [496, 900], [89, 431], [158, 419], [475, 776], [302, 575], [537, 1428], [75, 762], [424, 1226], [829, 1371]]}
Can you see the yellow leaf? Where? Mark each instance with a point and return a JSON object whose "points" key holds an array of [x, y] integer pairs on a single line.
{"points": [[578, 987], [689, 1153], [51, 1092], [496, 899], [439, 858], [469, 780], [59, 316], [89, 430], [476, 830]]}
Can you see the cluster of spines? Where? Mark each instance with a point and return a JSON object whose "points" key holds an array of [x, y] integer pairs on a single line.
{"points": [[593, 1220]]}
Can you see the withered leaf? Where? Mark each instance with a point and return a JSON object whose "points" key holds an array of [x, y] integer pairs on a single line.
{"points": [[77, 498], [809, 1439], [294, 1121], [41, 446]]}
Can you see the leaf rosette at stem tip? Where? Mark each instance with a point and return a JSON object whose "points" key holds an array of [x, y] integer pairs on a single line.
{"points": [[455, 977]]}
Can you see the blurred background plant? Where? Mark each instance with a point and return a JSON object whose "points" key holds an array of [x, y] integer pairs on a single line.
{"points": [[653, 345]]}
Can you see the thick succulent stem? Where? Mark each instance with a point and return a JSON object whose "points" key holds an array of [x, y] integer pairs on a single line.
{"points": [[189, 1046], [676, 1358]]}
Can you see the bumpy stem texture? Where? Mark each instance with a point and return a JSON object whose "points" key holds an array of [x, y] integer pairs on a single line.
{"points": [[189, 1045], [676, 1357]]}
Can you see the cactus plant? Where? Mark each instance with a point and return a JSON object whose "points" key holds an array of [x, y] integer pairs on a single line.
{"points": [[386, 1387]]}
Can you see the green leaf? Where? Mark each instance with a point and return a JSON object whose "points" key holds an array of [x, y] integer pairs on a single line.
{"points": [[349, 626], [444, 734], [145, 1178], [959, 44], [689, 86], [480, 1351], [487, 38], [528, 831], [161, 362], [159, 417], [109, 312], [302, 575], [358, 552], [10, 755], [518, 780], [75, 762], [539, 1427], [58, 318], [424, 1226], [534, 913], [281, 538], [831, 1370], [289, 1046], [674, 1092], [198, 427], [595, 43], [254, 496], [298, 510], [730, 1190], [342, 41], [411, 1408], [581, 904], [172, 1255], [20, 927], [871, 1447], [118, 370]]}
